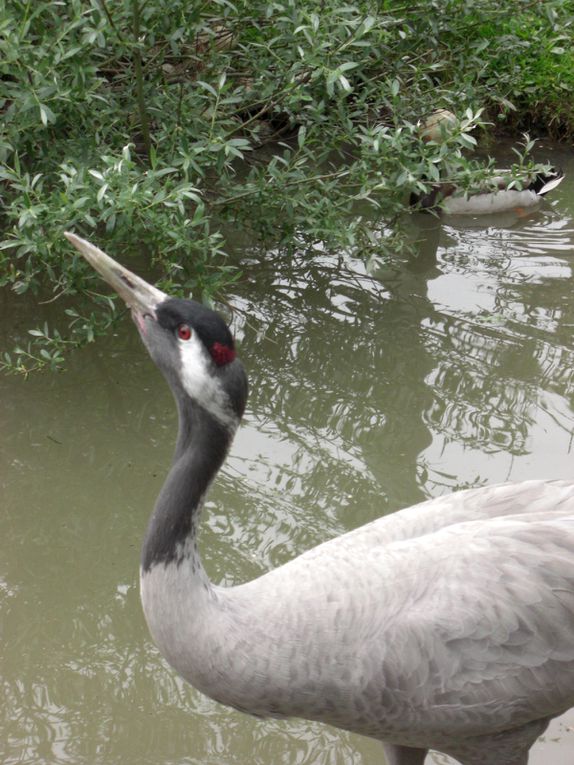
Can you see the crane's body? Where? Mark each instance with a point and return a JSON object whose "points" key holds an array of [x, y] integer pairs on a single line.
{"points": [[448, 625], [422, 628]]}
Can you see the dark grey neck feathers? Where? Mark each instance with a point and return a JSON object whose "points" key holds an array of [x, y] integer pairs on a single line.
{"points": [[202, 445]]}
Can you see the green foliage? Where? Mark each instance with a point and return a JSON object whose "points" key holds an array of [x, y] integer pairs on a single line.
{"points": [[154, 126]]}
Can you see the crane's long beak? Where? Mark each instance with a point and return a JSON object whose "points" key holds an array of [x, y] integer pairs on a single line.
{"points": [[141, 297]]}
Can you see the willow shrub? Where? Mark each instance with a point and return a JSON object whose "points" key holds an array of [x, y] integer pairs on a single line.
{"points": [[153, 126]]}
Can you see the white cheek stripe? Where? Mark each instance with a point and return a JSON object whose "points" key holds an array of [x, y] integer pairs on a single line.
{"points": [[201, 385]]}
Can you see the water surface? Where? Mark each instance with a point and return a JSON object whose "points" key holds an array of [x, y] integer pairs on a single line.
{"points": [[451, 369]]}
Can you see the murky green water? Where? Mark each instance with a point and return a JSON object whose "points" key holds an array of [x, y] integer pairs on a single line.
{"points": [[453, 369]]}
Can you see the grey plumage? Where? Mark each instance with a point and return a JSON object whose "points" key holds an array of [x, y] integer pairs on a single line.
{"points": [[449, 625], [443, 626]]}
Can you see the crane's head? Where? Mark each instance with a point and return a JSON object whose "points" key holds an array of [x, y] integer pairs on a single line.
{"points": [[190, 343]]}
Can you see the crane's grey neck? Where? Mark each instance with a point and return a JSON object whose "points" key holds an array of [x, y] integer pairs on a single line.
{"points": [[202, 444]]}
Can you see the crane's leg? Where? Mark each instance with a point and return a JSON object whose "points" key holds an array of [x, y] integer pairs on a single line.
{"points": [[403, 755]]}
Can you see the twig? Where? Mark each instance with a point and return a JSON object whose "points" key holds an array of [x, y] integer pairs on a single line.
{"points": [[296, 182], [138, 71], [111, 21]]}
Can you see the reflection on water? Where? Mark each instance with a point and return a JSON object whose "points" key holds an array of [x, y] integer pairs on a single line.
{"points": [[453, 368]]}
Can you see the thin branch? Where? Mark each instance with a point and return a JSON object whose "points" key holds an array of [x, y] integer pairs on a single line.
{"points": [[110, 20], [288, 184], [138, 71]]}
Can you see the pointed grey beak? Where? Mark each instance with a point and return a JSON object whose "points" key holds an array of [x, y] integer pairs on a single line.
{"points": [[141, 297]]}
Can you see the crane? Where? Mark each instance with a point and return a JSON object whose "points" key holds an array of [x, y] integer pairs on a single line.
{"points": [[448, 625]]}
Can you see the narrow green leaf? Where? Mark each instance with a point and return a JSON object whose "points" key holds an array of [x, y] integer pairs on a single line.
{"points": [[207, 86]]}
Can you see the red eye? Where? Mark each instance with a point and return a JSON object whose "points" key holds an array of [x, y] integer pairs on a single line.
{"points": [[183, 332]]}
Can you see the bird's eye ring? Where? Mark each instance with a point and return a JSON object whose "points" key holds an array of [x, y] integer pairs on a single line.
{"points": [[184, 332]]}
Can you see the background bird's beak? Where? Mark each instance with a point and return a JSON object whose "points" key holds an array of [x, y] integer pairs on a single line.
{"points": [[138, 295]]}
